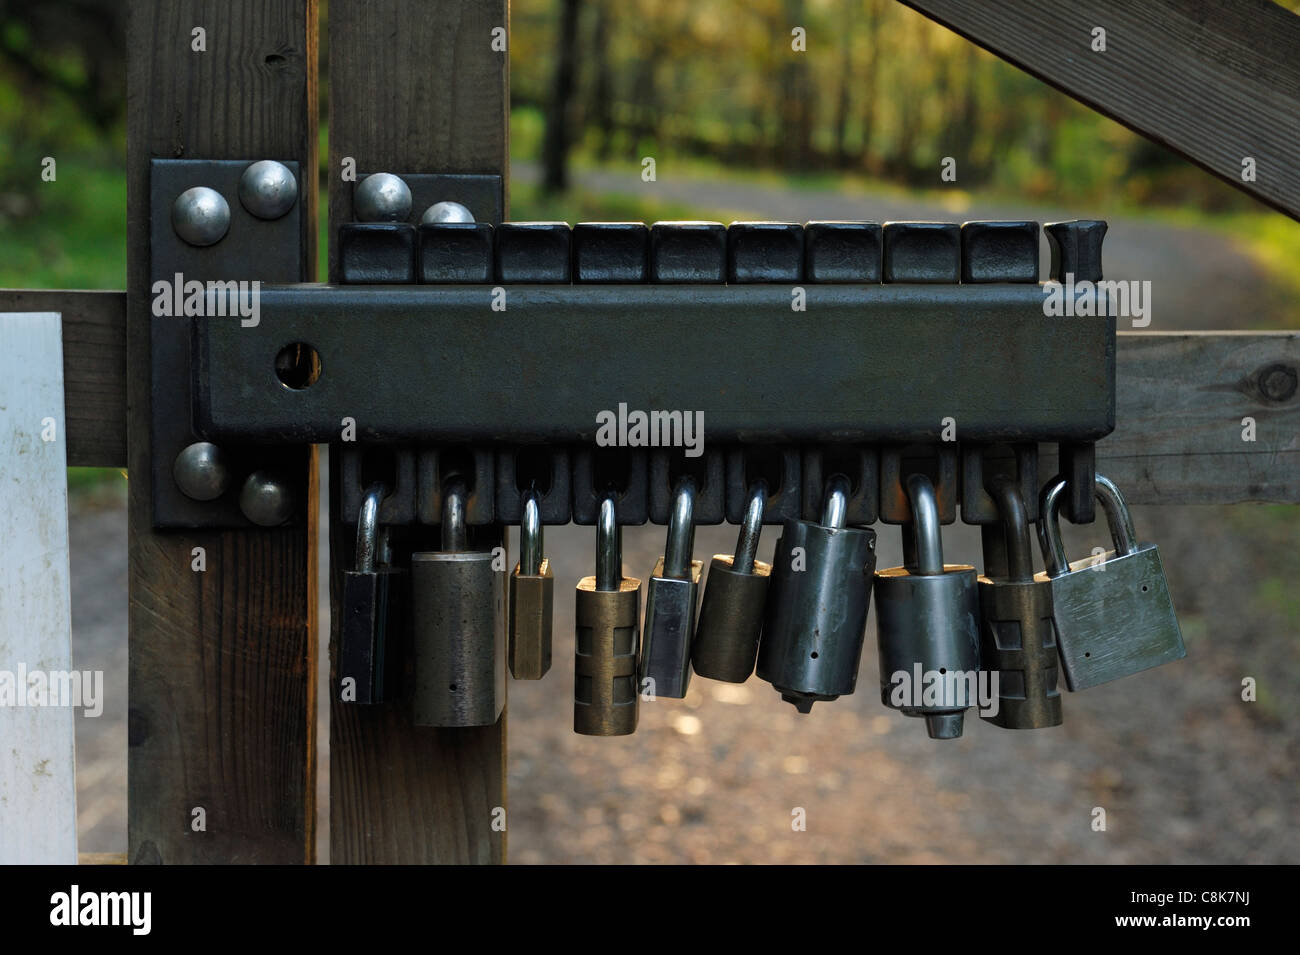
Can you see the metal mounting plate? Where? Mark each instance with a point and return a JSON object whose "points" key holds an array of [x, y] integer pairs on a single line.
{"points": [[253, 249]]}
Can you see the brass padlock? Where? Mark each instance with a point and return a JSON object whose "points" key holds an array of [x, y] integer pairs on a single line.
{"points": [[532, 598], [607, 613]]}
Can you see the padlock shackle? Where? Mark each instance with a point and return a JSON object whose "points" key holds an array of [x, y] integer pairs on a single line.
{"points": [[750, 529], [609, 547], [530, 535], [925, 525], [1118, 521], [1015, 526], [455, 529], [835, 502], [368, 527], [681, 530]]}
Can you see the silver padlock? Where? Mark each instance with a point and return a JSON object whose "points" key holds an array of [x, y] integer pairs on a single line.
{"points": [[459, 625], [671, 601], [1113, 615]]}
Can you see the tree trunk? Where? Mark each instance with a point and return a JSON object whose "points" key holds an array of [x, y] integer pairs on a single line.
{"points": [[555, 147]]}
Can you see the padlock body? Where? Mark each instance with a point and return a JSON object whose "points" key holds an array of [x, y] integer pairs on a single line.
{"points": [[459, 636], [370, 635], [731, 621], [532, 606], [928, 624], [817, 611], [605, 691], [1018, 642], [1114, 617], [670, 607]]}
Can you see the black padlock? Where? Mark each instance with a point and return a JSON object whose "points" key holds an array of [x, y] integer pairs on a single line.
{"points": [[927, 622], [1017, 638], [817, 604], [374, 601], [731, 613]]}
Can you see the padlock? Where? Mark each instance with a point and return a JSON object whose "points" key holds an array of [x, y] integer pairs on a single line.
{"points": [[374, 598], [532, 598], [1113, 616], [817, 604], [927, 625], [1017, 640], [670, 602], [458, 604], [607, 613], [731, 611]]}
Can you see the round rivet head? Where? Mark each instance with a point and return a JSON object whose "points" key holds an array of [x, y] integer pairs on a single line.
{"points": [[200, 216], [446, 212], [266, 500], [382, 197], [201, 471], [268, 189]]}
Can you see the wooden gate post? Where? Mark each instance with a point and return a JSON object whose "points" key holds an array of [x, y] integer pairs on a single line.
{"points": [[416, 86], [222, 662]]}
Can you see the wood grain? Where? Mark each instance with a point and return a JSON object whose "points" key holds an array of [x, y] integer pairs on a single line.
{"points": [[94, 369], [1215, 80], [222, 663], [1180, 403], [415, 87]]}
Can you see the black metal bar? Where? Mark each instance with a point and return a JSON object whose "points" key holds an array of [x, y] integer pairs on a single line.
{"points": [[861, 363]]}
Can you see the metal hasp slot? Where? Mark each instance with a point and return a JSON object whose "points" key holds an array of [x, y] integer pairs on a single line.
{"points": [[862, 363]]}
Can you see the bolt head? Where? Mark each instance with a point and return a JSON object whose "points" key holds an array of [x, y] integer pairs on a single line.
{"points": [[266, 500], [201, 471], [200, 216], [446, 211], [268, 189], [382, 197]]}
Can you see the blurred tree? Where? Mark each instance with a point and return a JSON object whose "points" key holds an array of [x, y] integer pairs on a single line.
{"points": [[555, 148], [73, 47]]}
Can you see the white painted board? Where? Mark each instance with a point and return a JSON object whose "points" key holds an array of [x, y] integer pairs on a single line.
{"points": [[38, 793]]}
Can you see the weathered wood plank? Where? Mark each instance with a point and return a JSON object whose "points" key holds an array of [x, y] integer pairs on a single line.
{"points": [[399, 794], [1181, 400], [222, 663], [1215, 80], [38, 786], [94, 369]]}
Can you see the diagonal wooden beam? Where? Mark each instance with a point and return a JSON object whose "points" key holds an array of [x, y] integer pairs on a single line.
{"points": [[1217, 81]]}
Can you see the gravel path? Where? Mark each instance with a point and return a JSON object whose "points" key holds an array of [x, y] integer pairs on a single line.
{"points": [[1185, 771]]}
